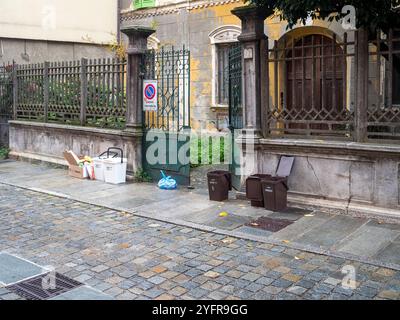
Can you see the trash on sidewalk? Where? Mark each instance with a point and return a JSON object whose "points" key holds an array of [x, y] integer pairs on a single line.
{"points": [[110, 166], [115, 167], [219, 184], [270, 191], [98, 163], [79, 167], [166, 182], [254, 190]]}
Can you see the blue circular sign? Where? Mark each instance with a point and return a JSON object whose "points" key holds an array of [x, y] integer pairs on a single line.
{"points": [[150, 91]]}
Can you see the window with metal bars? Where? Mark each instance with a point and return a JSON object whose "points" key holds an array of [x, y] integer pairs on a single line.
{"points": [[222, 92]]}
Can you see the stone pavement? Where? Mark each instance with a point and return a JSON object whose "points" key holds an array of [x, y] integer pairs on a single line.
{"points": [[361, 239], [130, 257]]}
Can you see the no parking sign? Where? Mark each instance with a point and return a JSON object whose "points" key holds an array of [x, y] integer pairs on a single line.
{"points": [[150, 95]]}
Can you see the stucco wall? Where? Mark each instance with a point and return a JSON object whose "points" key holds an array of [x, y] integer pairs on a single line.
{"points": [[36, 51], [88, 21]]}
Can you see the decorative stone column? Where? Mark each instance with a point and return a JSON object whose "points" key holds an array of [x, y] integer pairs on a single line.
{"points": [[254, 69], [362, 64], [137, 47]]}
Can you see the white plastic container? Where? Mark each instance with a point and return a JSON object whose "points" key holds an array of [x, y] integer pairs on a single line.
{"points": [[114, 170], [98, 164]]}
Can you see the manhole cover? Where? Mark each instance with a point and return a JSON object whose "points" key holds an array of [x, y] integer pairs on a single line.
{"points": [[269, 224], [44, 286]]}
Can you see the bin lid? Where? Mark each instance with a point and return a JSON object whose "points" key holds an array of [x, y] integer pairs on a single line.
{"points": [[115, 160], [285, 166]]}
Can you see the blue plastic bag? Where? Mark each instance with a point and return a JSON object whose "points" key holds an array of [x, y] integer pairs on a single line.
{"points": [[167, 183]]}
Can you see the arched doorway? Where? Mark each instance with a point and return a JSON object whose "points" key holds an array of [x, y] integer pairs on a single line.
{"points": [[315, 69]]}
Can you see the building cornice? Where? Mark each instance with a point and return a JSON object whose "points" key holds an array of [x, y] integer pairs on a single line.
{"points": [[129, 14]]}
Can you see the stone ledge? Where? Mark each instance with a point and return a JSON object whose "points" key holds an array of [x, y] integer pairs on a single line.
{"points": [[351, 208], [326, 146], [77, 129], [41, 158]]}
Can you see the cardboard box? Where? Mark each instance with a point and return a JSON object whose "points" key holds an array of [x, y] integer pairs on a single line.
{"points": [[74, 169]]}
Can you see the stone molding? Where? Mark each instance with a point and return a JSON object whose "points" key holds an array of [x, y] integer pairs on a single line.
{"points": [[129, 14], [76, 129], [349, 148]]}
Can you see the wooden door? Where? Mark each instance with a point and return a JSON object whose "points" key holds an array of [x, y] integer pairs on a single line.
{"points": [[314, 80]]}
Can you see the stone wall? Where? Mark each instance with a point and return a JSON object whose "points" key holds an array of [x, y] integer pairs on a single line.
{"points": [[46, 142], [352, 175]]}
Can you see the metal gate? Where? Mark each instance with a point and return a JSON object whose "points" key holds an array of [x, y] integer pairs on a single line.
{"points": [[235, 110], [166, 139], [6, 100]]}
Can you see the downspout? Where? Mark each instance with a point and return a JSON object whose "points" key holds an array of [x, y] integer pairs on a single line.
{"points": [[118, 21]]}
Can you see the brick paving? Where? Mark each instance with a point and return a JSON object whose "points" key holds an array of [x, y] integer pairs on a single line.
{"points": [[130, 257]]}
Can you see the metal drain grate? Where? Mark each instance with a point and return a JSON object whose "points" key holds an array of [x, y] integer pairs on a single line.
{"points": [[33, 289], [269, 224]]}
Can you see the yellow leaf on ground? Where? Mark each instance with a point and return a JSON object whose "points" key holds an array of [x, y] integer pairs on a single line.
{"points": [[285, 241], [223, 214], [124, 245]]}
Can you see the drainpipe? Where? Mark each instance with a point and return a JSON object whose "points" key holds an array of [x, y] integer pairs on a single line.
{"points": [[118, 21]]}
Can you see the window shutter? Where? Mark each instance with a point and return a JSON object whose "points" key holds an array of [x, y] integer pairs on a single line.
{"points": [[137, 4], [144, 3]]}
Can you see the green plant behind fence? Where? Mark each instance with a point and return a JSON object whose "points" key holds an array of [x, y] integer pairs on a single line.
{"points": [[90, 93]]}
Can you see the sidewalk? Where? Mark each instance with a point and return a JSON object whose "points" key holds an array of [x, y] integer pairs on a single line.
{"points": [[361, 239]]}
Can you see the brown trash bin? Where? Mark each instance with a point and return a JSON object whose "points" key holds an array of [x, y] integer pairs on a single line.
{"points": [[275, 193], [275, 188], [219, 184], [254, 191]]}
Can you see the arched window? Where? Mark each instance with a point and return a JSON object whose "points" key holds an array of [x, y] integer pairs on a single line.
{"points": [[153, 43], [221, 39]]}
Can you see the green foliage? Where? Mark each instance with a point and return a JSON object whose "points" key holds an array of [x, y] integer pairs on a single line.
{"points": [[67, 95], [4, 153], [370, 14], [142, 176], [204, 150]]}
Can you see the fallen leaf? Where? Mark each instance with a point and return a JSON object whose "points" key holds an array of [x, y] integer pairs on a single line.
{"points": [[124, 245], [285, 241], [228, 240], [296, 258], [223, 214]]}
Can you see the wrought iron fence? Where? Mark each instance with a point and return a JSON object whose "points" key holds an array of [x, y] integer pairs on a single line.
{"points": [[6, 91], [86, 92], [171, 69], [310, 88], [235, 87], [384, 86]]}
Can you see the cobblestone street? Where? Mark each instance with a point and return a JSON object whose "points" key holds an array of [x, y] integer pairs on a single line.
{"points": [[129, 257]]}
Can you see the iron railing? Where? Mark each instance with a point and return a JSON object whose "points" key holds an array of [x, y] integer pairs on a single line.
{"points": [[6, 91], [384, 86], [85, 92], [310, 90], [235, 87]]}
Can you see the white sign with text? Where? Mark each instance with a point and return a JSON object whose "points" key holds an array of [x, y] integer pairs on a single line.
{"points": [[150, 95]]}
